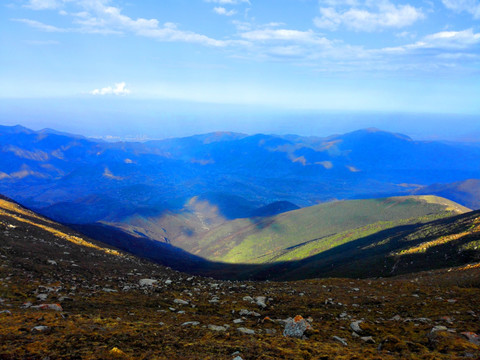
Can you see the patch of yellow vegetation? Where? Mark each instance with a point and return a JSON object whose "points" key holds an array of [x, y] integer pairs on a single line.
{"points": [[469, 267], [71, 238], [429, 244], [12, 207]]}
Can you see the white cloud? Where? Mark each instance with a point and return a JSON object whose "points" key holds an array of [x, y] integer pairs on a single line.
{"points": [[470, 6], [40, 26], [371, 16], [97, 17], [441, 42], [285, 35], [44, 4], [117, 89], [222, 11]]}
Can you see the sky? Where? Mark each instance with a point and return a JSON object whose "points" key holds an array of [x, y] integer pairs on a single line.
{"points": [[136, 67]]}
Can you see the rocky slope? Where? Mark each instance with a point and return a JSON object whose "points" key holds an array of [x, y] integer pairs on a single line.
{"points": [[64, 296]]}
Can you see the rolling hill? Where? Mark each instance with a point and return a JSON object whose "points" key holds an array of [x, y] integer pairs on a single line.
{"points": [[296, 234]]}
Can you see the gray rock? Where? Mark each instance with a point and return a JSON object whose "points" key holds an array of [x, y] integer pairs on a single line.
{"points": [[180, 302], [368, 339], [108, 290], [261, 301], [246, 331], [237, 358], [42, 297], [245, 312], [340, 340], [438, 328], [355, 326], [147, 282], [40, 328], [237, 321], [296, 327], [191, 323], [217, 328]]}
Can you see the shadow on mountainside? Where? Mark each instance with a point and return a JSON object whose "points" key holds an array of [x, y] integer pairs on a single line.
{"points": [[375, 255]]}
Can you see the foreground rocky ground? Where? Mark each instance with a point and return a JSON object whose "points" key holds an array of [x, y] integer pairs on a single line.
{"points": [[66, 297]]}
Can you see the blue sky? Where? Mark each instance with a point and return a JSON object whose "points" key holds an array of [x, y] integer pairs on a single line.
{"points": [[412, 56]]}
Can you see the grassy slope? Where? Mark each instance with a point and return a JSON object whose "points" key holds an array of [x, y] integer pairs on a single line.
{"points": [[301, 233]]}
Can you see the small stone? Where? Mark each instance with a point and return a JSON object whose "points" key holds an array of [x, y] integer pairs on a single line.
{"points": [[51, 262], [261, 301], [108, 290], [217, 328], [180, 302], [191, 323], [237, 321], [246, 331], [438, 328], [147, 282], [355, 326], [40, 328], [368, 339], [340, 340], [42, 297], [55, 307]]}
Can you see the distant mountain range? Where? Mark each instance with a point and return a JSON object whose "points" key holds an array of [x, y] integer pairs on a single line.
{"points": [[80, 180]]}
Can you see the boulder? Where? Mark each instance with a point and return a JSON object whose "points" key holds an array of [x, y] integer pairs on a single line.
{"points": [[296, 327]]}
